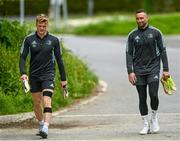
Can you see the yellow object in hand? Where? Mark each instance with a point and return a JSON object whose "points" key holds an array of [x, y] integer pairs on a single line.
{"points": [[168, 85]]}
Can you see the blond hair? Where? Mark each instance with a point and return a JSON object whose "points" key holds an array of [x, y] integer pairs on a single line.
{"points": [[41, 18]]}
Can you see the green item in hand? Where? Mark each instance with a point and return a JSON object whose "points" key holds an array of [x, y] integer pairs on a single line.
{"points": [[168, 85]]}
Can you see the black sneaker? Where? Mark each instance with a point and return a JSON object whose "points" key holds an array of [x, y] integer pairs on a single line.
{"points": [[43, 134]]}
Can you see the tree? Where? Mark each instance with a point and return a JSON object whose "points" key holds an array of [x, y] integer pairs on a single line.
{"points": [[149, 5]]}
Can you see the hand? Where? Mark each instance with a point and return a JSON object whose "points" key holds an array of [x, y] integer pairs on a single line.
{"points": [[63, 83], [166, 75], [132, 78], [24, 77], [65, 90]]}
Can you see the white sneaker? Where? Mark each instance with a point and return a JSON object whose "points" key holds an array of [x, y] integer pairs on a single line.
{"points": [[155, 125], [41, 124], [145, 129], [44, 132], [154, 122], [40, 127]]}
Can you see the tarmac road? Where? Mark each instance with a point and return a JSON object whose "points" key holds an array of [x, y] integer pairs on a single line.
{"points": [[114, 114]]}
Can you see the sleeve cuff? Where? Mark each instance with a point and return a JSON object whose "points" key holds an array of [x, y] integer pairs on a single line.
{"points": [[130, 71], [166, 69]]}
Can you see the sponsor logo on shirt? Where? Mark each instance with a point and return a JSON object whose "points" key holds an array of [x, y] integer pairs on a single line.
{"points": [[49, 42], [34, 44], [52, 85], [156, 77], [150, 35], [137, 38]]}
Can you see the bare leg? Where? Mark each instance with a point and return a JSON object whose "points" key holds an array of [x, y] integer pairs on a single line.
{"points": [[47, 103], [37, 101]]}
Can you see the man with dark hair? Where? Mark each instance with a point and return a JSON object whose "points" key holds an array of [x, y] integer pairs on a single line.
{"points": [[141, 10], [43, 48], [144, 52]]}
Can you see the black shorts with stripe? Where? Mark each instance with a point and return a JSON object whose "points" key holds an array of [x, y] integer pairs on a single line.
{"points": [[146, 79], [39, 85]]}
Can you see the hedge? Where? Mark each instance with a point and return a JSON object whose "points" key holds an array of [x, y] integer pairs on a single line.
{"points": [[34, 7]]}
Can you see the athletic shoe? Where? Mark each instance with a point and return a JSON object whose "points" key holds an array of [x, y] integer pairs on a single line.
{"points": [[40, 128], [145, 129], [44, 132], [154, 125]]}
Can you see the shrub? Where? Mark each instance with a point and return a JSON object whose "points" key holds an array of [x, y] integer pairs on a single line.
{"points": [[11, 7], [12, 34], [9, 72]]}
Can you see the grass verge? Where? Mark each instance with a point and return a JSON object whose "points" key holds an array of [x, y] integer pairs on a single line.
{"points": [[118, 24]]}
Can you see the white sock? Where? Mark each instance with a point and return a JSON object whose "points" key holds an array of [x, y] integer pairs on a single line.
{"points": [[154, 114], [46, 124], [41, 122], [145, 117]]}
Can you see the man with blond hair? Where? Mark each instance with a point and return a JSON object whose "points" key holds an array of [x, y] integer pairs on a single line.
{"points": [[43, 49]]}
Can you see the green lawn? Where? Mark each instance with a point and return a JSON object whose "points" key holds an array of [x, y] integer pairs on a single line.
{"points": [[116, 24]]}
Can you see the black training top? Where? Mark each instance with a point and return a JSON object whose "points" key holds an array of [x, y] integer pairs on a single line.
{"points": [[43, 53], [144, 50]]}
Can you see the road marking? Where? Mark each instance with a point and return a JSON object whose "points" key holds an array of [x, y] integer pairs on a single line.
{"points": [[112, 115]]}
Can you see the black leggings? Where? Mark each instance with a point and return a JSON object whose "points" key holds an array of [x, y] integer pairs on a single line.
{"points": [[153, 93]]}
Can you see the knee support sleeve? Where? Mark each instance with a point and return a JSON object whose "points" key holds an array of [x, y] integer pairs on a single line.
{"points": [[47, 93], [47, 110]]}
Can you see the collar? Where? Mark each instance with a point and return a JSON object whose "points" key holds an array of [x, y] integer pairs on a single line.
{"points": [[40, 37], [143, 29]]}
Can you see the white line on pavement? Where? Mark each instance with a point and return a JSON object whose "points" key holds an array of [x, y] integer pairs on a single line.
{"points": [[113, 115]]}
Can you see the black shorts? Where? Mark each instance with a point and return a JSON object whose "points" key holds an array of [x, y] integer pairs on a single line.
{"points": [[39, 85], [146, 79]]}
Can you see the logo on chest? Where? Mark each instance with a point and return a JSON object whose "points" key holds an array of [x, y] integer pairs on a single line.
{"points": [[150, 35], [137, 38], [49, 42], [34, 44]]}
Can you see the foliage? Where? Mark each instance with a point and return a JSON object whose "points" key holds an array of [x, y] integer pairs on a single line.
{"points": [[105, 28], [167, 23], [118, 26], [12, 34], [106, 6], [9, 74], [11, 7], [12, 98]]}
